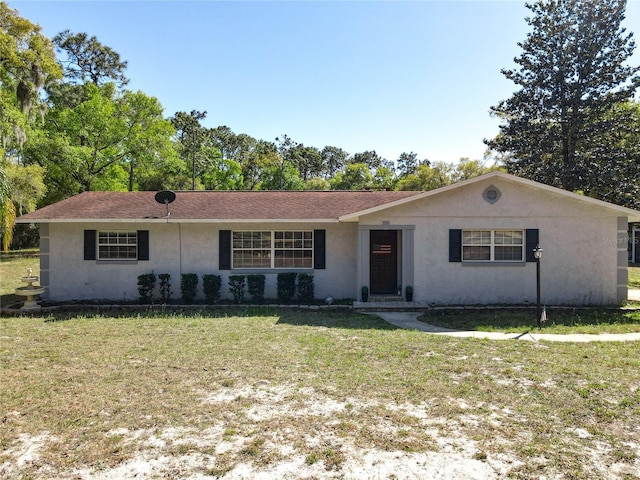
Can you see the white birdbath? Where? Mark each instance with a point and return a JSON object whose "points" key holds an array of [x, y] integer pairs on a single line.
{"points": [[31, 291]]}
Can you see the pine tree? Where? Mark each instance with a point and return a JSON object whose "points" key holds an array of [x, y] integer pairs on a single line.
{"points": [[572, 73]]}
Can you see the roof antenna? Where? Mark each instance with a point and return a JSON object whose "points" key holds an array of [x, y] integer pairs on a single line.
{"points": [[166, 197]]}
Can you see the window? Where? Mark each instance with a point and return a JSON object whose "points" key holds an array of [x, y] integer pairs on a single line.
{"points": [[293, 249], [117, 245], [272, 249], [251, 249], [492, 245]]}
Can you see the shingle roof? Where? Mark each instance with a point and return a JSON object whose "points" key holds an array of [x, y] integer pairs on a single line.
{"points": [[215, 205]]}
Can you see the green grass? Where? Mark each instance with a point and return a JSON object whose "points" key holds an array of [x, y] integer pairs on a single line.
{"points": [[559, 321], [13, 265], [92, 382], [634, 277]]}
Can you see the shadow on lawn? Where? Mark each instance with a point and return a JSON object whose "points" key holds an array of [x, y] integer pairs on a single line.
{"points": [[10, 300], [333, 319], [61, 312], [69, 312], [501, 319], [328, 318]]}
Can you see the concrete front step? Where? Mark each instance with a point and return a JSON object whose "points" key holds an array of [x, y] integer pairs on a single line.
{"points": [[384, 298], [397, 305]]}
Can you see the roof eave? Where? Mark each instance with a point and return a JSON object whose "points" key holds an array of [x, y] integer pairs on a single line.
{"points": [[177, 220]]}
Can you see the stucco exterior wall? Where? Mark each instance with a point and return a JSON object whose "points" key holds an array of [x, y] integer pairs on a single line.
{"points": [[181, 248], [581, 251], [584, 251]]}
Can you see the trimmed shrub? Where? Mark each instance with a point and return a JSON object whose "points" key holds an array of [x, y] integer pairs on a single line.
{"points": [[236, 287], [255, 285], [165, 286], [286, 286], [188, 286], [211, 285], [146, 284], [306, 287]]}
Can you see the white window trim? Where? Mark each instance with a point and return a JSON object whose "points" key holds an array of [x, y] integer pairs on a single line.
{"points": [[273, 249], [107, 259], [492, 245]]}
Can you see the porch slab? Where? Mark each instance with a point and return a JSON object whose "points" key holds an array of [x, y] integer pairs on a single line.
{"points": [[393, 306]]}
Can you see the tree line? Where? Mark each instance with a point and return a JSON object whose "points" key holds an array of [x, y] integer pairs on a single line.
{"points": [[69, 124]]}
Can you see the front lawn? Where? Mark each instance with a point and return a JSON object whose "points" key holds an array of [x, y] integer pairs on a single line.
{"points": [[560, 321], [289, 394], [634, 277]]}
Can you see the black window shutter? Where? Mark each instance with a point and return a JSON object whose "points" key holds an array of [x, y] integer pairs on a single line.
{"points": [[455, 245], [143, 244], [319, 250], [224, 252], [89, 244], [532, 240]]}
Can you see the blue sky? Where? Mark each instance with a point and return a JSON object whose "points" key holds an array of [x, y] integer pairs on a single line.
{"points": [[388, 76]]}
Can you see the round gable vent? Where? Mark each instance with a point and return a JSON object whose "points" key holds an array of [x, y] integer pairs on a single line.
{"points": [[491, 194]]}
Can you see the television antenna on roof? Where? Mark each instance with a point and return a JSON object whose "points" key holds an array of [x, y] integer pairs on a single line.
{"points": [[166, 197]]}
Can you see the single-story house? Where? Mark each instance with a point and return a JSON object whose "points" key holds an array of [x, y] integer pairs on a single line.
{"points": [[467, 243]]}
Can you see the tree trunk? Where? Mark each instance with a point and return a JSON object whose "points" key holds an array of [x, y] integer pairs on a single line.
{"points": [[131, 176]]}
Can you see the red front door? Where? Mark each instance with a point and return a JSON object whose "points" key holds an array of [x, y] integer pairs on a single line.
{"points": [[383, 262]]}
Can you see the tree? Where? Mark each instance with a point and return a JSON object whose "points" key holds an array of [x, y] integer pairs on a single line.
{"points": [[407, 163], [261, 156], [231, 146], [355, 176], [147, 142], [307, 160], [192, 137], [26, 184], [286, 148], [89, 60], [427, 177], [224, 174], [94, 132], [317, 183], [27, 63], [333, 160], [384, 178], [7, 210], [617, 180], [101, 143], [370, 158], [281, 177], [466, 169], [572, 73], [26, 187]]}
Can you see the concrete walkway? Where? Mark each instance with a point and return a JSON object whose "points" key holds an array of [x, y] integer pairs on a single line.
{"points": [[409, 321], [633, 294]]}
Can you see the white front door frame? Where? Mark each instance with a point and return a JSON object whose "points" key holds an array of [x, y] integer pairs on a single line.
{"points": [[406, 250]]}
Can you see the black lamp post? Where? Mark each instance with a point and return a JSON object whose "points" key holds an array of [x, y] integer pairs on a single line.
{"points": [[537, 253]]}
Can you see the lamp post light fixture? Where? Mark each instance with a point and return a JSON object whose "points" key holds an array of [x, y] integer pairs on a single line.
{"points": [[537, 253]]}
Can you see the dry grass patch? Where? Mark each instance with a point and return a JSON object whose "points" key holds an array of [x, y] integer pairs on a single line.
{"points": [[307, 395]]}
